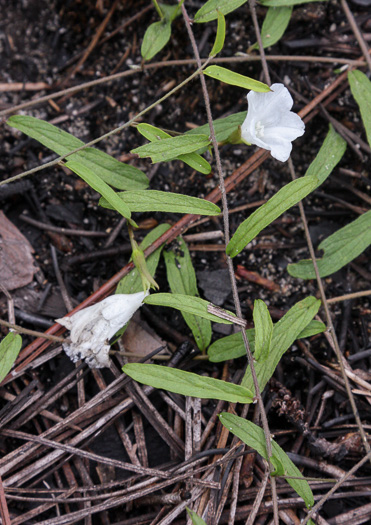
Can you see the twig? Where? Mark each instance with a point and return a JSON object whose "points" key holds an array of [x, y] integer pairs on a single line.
{"points": [[5, 518], [348, 296], [57, 229], [357, 33], [26, 331], [337, 485], [260, 43]]}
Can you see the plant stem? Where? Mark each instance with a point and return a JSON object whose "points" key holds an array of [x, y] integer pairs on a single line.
{"points": [[229, 260], [157, 7], [112, 132]]}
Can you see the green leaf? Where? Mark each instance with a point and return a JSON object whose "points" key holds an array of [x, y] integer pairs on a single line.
{"points": [[284, 334], [194, 160], [279, 3], [209, 11], [153, 200], [254, 437], [168, 149], [263, 330], [235, 79], [155, 38], [132, 283], [360, 87], [196, 520], [284, 199], [187, 383], [275, 23], [9, 350], [115, 173], [329, 155], [313, 328], [185, 303], [224, 127], [220, 36], [100, 186], [339, 249], [232, 346], [182, 280], [170, 11]]}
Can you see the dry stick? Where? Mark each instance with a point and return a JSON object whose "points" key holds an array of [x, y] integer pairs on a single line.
{"points": [[357, 32], [236, 299], [258, 500], [337, 485], [26, 331], [57, 229], [348, 296], [37, 347], [59, 160], [260, 43], [94, 40], [329, 320], [4, 512], [173, 63]]}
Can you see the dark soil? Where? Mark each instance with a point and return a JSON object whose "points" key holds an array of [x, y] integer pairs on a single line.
{"points": [[41, 42]]}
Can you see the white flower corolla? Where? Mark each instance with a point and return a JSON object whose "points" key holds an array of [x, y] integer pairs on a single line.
{"points": [[270, 124], [92, 327]]}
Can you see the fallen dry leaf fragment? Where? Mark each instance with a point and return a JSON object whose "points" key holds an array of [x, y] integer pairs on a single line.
{"points": [[16, 260]]}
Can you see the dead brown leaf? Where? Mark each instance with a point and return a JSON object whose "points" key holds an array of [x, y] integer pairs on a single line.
{"points": [[16, 260]]}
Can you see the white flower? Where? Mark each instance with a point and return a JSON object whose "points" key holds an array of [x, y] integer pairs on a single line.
{"points": [[92, 327], [270, 124]]}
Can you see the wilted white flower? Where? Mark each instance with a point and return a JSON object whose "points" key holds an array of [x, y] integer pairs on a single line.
{"points": [[92, 327], [270, 124]]}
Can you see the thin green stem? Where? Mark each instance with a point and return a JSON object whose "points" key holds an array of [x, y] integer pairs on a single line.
{"points": [[106, 135], [157, 7]]}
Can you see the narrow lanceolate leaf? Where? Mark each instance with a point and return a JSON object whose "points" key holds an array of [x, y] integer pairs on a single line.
{"points": [[235, 79], [100, 186], [360, 87], [187, 383], [196, 520], [132, 283], [182, 280], [232, 346], [275, 23], [279, 3], [193, 160], [332, 150], [284, 334], [263, 330], [254, 437], [220, 35], [155, 38], [9, 350], [224, 127], [115, 173], [153, 200], [339, 249], [284, 199], [168, 149], [185, 303], [209, 11]]}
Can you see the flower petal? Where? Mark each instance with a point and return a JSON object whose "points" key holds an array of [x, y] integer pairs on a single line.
{"points": [[92, 327]]}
